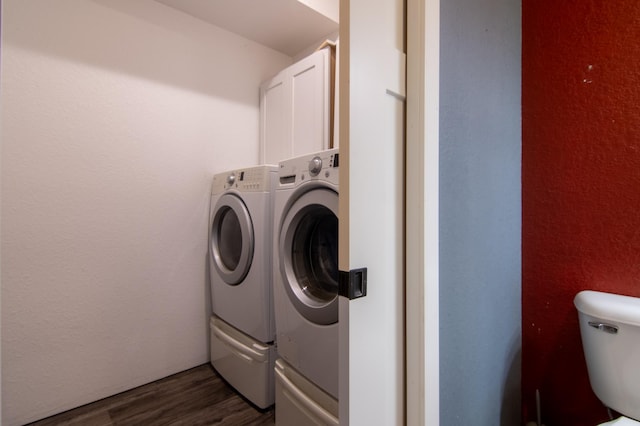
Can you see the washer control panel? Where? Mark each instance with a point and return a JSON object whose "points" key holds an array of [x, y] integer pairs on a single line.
{"points": [[318, 166], [253, 179]]}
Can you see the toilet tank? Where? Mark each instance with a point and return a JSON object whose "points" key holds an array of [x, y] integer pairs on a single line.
{"points": [[610, 330]]}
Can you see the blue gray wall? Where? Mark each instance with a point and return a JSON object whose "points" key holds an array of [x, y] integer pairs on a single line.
{"points": [[480, 213]]}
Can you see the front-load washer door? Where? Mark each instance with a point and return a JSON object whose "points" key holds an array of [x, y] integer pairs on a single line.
{"points": [[309, 255], [232, 239]]}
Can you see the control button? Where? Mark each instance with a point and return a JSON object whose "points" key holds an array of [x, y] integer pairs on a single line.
{"points": [[315, 165]]}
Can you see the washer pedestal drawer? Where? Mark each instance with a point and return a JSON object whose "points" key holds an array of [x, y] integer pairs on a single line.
{"points": [[244, 362], [300, 402]]}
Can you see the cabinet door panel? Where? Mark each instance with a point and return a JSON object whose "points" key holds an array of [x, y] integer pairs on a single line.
{"points": [[275, 110], [310, 104]]}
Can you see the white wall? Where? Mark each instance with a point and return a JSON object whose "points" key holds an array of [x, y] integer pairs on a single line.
{"points": [[115, 114]]}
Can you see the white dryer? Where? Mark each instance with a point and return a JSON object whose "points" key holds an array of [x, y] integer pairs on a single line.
{"points": [[306, 266], [240, 247]]}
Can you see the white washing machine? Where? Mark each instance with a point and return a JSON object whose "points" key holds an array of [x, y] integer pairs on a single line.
{"points": [[240, 247], [306, 266]]}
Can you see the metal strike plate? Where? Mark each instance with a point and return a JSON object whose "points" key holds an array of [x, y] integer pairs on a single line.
{"points": [[353, 284]]}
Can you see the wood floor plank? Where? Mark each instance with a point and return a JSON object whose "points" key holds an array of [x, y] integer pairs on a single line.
{"points": [[234, 413], [194, 397]]}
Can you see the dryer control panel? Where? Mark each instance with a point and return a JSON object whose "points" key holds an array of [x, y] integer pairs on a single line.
{"points": [[253, 179], [321, 166]]}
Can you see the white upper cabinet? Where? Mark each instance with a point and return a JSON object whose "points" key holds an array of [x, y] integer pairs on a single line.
{"points": [[295, 109]]}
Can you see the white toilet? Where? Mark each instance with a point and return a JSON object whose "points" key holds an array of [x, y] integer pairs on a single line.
{"points": [[610, 329]]}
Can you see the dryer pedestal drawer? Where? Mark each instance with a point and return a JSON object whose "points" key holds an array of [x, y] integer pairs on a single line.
{"points": [[244, 362]]}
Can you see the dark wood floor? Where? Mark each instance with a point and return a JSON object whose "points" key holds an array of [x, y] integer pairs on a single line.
{"points": [[194, 397]]}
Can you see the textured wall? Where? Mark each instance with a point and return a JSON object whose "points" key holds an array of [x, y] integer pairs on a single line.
{"points": [[581, 187], [480, 275], [115, 114]]}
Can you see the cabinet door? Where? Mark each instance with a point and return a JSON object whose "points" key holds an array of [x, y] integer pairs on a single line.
{"points": [[295, 108], [310, 104], [275, 119]]}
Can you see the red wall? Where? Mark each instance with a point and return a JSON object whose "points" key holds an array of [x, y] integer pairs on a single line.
{"points": [[581, 187]]}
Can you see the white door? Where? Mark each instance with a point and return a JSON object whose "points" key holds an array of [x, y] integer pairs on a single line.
{"points": [[371, 210]]}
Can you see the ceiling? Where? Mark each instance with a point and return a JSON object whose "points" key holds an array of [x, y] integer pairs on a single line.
{"points": [[287, 26]]}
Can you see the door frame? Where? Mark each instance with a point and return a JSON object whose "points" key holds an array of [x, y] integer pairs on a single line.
{"points": [[422, 316]]}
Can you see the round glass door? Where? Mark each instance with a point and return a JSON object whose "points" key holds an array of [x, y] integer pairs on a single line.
{"points": [[309, 250], [231, 239]]}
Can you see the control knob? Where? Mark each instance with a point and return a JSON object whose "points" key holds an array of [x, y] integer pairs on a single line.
{"points": [[315, 166], [231, 179]]}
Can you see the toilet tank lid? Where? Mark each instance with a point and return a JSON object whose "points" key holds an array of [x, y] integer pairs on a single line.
{"points": [[607, 306]]}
